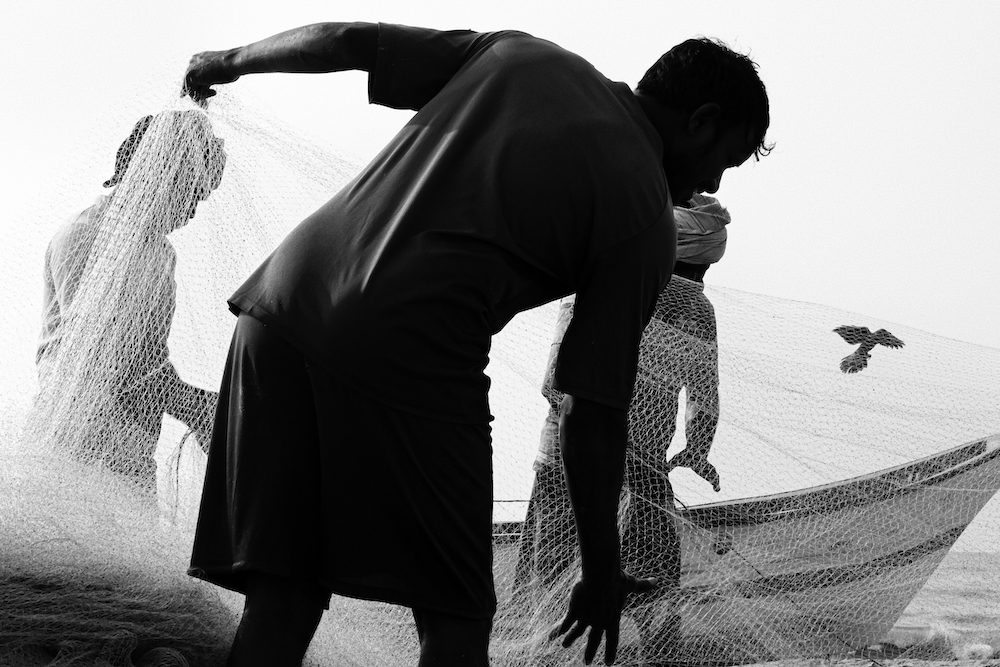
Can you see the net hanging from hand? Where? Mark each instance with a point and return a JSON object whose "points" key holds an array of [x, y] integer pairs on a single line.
{"points": [[806, 551]]}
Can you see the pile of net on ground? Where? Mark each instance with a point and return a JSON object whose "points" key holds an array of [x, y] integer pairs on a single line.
{"points": [[806, 551]]}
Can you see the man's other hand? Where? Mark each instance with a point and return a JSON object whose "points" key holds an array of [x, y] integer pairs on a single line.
{"points": [[599, 608], [699, 464]]}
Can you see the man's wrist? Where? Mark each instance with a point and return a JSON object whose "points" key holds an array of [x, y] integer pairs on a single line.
{"points": [[234, 62], [601, 565]]}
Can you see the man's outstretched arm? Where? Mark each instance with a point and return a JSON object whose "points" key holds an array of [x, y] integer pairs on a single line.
{"points": [[316, 48], [592, 438]]}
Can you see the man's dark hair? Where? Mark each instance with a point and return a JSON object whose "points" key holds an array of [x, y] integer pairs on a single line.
{"points": [[703, 70]]}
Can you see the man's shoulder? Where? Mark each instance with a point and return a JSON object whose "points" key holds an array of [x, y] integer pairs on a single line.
{"points": [[79, 229], [73, 230], [522, 50]]}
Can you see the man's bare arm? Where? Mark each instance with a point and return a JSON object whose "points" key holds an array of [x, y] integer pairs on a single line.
{"points": [[702, 414], [316, 48], [700, 430], [592, 438]]}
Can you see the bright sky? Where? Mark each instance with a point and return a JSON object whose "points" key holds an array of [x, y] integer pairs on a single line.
{"points": [[879, 197]]}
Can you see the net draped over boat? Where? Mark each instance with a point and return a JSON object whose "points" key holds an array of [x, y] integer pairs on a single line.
{"points": [[808, 550]]}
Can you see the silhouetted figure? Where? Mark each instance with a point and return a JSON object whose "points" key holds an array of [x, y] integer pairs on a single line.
{"points": [[353, 450], [127, 391]]}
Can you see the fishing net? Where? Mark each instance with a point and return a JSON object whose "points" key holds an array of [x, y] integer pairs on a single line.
{"points": [[842, 487], [850, 463], [106, 413]]}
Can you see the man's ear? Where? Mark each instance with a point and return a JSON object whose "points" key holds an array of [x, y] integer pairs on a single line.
{"points": [[704, 115]]}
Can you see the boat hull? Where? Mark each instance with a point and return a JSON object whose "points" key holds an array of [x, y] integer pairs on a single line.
{"points": [[818, 572], [827, 570]]}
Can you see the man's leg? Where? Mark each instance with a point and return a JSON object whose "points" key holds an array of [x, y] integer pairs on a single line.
{"points": [[279, 620], [548, 541], [452, 641], [556, 544], [524, 570], [650, 546], [260, 504]]}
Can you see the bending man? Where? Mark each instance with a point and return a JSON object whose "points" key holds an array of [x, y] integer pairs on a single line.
{"points": [[357, 362]]}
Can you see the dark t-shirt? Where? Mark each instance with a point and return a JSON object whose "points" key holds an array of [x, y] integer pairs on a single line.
{"points": [[525, 175]]}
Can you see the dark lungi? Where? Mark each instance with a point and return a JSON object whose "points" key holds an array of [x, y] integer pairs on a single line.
{"points": [[312, 481]]}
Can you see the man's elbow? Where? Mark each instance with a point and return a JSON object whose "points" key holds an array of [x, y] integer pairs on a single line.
{"points": [[357, 44]]}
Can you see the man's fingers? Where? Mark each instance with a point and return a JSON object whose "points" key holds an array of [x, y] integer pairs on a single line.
{"points": [[611, 644], [593, 643], [645, 585], [712, 476], [707, 472], [560, 628], [196, 92], [575, 632]]}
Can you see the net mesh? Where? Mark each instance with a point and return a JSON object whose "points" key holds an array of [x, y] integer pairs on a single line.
{"points": [[855, 475]]}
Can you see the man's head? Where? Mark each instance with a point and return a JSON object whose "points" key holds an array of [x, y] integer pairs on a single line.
{"points": [[200, 162], [711, 109], [180, 163]]}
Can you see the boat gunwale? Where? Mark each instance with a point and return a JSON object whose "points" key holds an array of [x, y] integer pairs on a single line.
{"points": [[867, 489]]}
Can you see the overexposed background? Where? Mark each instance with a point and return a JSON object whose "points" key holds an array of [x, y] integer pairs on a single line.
{"points": [[878, 198]]}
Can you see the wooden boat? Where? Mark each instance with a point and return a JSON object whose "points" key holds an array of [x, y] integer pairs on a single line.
{"points": [[822, 571]]}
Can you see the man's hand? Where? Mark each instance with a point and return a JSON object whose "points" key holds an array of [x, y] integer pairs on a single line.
{"points": [[599, 608], [204, 423], [207, 69], [699, 464]]}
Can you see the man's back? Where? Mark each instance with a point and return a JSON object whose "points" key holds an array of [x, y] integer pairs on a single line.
{"points": [[522, 170], [89, 248], [65, 260]]}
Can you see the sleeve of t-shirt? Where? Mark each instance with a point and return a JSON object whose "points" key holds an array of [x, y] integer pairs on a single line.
{"points": [[599, 352], [414, 64]]}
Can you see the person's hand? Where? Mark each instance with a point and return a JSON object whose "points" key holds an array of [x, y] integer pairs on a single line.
{"points": [[699, 464], [203, 434], [207, 69], [204, 422], [599, 608]]}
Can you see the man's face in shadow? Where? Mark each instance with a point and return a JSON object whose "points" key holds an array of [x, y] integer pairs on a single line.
{"points": [[199, 176]]}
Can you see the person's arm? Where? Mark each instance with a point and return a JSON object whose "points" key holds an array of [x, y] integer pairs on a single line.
{"points": [[592, 441], [596, 370], [549, 440], [702, 419], [190, 405], [316, 48], [702, 383]]}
